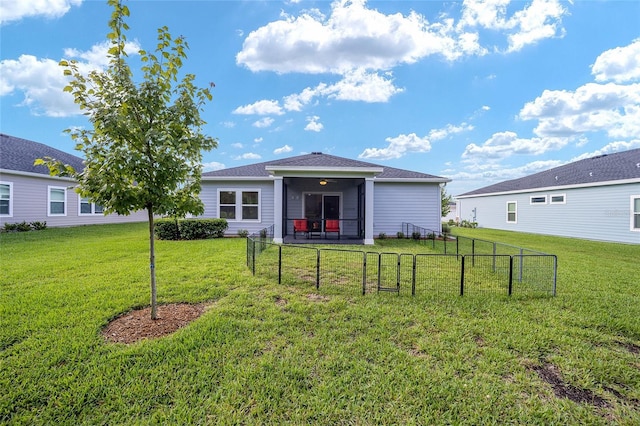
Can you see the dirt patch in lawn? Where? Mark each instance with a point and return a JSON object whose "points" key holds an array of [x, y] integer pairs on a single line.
{"points": [[138, 325], [550, 374]]}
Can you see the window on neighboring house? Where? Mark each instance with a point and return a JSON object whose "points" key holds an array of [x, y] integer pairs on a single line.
{"points": [[57, 201], [635, 212], [87, 207], [512, 210], [539, 199], [557, 199], [6, 195], [239, 205]]}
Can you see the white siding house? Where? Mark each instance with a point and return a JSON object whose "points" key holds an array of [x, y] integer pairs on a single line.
{"points": [[597, 198], [367, 199], [28, 193]]}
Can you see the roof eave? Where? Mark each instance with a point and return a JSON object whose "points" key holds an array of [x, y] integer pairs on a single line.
{"points": [[306, 170], [33, 174], [554, 188], [418, 180]]}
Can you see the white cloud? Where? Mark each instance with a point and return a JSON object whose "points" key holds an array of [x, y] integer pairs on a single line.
{"points": [[504, 144], [263, 107], [282, 150], [228, 124], [42, 81], [610, 148], [14, 10], [263, 122], [353, 36], [213, 165], [237, 145], [359, 85], [538, 20], [398, 147], [258, 140], [620, 64], [610, 107], [481, 174], [248, 156], [404, 144], [313, 125]]}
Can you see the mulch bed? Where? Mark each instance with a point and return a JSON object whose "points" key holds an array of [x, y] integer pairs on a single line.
{"points": [[138, 325]]}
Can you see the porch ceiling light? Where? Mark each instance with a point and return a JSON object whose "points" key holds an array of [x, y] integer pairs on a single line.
{"points": [[323, 182]]}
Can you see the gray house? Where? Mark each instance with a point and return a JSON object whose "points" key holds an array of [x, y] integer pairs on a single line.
{"points": [[597, 198], [28, 193], [365, 199]]}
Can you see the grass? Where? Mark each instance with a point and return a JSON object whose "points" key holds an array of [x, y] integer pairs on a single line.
{"points": [[276, 354]]}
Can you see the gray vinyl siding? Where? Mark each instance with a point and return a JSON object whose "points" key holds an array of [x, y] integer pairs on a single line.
{"points": [[30, 203], [600, 213], [415, 203], [209, 196]]}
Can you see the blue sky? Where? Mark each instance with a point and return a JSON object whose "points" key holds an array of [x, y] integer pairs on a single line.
{"points": [[478, 92]]}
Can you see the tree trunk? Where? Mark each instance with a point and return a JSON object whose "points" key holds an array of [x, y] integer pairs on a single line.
{"points": [[152, 264]]}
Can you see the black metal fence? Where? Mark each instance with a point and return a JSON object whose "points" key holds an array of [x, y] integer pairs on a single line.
{"points": [[486, 268]]}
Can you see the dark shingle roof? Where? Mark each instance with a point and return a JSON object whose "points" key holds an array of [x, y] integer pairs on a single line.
{"points": [[603, 168], [19, 154], [317, 160]]}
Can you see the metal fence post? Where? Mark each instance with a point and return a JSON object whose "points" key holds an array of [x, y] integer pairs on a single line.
{"points": [[413, 277], [555, 273], [521, 266], [279, 264], [510, 275], [462, 276], [253, 257], [473, 252], [364, 273], [398, 274], [317, 269]]}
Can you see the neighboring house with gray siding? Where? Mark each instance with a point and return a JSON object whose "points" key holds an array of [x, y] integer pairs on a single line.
{"points": [[28, 193], [367, 199], [596, 198]]}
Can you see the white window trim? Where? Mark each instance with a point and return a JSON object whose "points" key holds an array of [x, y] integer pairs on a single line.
{"points": [[632, 213], [239, 205], [93, 208], [564, 199], [10, 184], [516, 211], [537, 196], [49, 201]]}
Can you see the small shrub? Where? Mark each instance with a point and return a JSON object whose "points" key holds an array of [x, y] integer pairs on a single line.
{"points": [[10, 227], [416, 235], [38, 226], [243, 233], [382, 236], [400, 235], [198, 229], [431, 236], [446, 229], [167, 229], [468, 224], [451, 222], [23, 227]]}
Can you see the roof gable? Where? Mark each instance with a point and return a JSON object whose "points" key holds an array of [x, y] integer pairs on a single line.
{"points": [[603, 168], [318, 161], [19, 154]]}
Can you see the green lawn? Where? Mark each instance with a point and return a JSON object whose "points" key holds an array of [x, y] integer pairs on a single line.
{"points": [[276, 354]]}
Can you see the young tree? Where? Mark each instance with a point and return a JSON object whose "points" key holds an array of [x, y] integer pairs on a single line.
{"points": [[445, 199], [144, 150]]}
